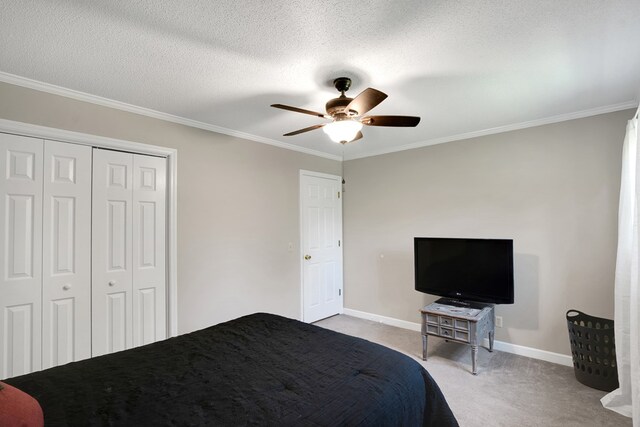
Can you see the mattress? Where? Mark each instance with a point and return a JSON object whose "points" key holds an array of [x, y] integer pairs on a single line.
{"points": [[260, 369]]}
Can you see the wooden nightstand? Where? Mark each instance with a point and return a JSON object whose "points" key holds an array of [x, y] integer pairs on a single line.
{"points": [[467, 325]]}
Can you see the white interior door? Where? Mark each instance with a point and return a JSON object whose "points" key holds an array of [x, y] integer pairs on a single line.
{"points": [[20, 254], [66, 282], [149, 252], [321, 235], [112, 273]]}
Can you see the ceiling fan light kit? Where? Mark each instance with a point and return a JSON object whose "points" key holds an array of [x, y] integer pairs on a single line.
{"points": [[347, 114], [342, 131]]}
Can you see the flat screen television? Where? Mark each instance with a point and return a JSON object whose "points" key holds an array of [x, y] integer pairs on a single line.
{"points": [[465, 269]]}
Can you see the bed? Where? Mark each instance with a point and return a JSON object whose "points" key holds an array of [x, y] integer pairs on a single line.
{"points": [[260, 369]]}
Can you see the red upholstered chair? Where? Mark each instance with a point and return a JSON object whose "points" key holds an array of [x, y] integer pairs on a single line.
{"points": [[17, 408]]}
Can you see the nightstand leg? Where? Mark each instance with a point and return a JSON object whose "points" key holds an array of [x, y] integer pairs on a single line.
{"points": [[474, 359], [424, 347], [491, 341]]}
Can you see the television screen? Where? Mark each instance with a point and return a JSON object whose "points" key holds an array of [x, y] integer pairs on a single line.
{"points": [[465, 269]]}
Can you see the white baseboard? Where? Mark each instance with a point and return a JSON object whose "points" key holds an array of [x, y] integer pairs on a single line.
{"points": [[534, 353], [383, 319]]}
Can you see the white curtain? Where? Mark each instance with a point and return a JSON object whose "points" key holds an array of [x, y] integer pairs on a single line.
{"points": [[626, 399]]}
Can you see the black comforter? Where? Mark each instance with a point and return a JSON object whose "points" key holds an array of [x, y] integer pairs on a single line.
{"points": [[260, 369]]}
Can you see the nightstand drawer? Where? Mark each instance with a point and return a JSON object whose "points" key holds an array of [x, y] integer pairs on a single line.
{"points": [[446, 321], [446, 332], [462, 324], [432, 319], [461, 336], [432, 329]]}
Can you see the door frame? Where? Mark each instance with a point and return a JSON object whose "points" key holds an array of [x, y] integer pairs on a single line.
{"points": [[301, 250], [171, 154]]}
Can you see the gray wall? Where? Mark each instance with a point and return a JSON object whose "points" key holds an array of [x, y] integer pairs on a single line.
{"points": [[237, 206], [553, 189]]}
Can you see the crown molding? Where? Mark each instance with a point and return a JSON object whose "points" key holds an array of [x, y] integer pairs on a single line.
{"points": [[501, 129], [106, 102]]}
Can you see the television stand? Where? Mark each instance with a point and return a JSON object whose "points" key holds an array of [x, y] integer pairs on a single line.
{"points": [[466, 324]]}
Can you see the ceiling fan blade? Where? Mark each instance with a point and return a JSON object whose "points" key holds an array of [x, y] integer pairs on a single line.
{"points": [[366, 100], [296, 132], [299, 110], [395, 121]]}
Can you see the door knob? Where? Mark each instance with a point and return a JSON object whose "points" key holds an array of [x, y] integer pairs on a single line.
{"points": [[66, 287], [112, 282], [307, 257]]}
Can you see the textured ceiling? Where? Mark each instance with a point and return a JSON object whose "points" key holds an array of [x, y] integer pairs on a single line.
{"points": [[463, 66]]}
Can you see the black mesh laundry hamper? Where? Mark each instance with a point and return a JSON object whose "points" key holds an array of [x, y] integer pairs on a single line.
{"points": [[593, 350]]}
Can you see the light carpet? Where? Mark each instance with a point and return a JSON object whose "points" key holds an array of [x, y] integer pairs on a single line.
{"points": [[509, 390]]}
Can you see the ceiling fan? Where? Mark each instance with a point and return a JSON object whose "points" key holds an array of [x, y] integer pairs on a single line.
{"points": [[347, 114]]}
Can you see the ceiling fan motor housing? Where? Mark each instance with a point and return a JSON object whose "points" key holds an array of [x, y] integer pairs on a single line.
{"points": [[336, 106]]}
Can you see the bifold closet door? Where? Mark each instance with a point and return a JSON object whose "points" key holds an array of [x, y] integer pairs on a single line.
{"points": [[112, 273], [149, 249], [129, 268], [20, 254], [66, 268]]}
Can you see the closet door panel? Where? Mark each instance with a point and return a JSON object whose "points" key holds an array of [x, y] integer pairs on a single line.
{"points": [[149, 267], [20, 254], [112, 272], [66, 287]]}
